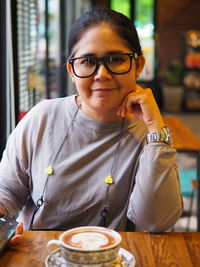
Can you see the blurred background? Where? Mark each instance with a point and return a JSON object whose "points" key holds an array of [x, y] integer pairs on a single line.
{"points": [[33, 46]]}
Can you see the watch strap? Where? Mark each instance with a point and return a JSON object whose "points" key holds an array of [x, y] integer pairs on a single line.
{"points": [[160, 136]]}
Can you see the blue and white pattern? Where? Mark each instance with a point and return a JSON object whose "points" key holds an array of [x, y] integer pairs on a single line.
{"points": [[128, 259]]}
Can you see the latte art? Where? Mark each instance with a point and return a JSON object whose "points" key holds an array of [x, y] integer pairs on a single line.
{"points": [[89, 240]]}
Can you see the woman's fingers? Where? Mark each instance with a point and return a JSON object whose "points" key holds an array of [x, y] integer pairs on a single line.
{"points": [[130, 100], [18, 234], [141, 103], [15, 240], [19, 229]]}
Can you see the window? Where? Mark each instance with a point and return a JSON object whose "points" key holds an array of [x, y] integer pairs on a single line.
{"points": [[42, 26], [143, 17]]}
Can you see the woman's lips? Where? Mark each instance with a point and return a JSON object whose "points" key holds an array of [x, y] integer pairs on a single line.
{"points": [[103, 92], [103, 89]]}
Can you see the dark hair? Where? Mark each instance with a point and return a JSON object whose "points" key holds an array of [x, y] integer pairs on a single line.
{"points": [[122, 25]]}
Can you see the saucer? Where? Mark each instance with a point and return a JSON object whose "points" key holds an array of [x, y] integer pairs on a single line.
{"points": [[128, 259]]}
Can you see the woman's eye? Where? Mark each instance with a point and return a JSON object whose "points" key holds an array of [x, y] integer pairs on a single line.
{"points": [[88, 61], [117, 59]]}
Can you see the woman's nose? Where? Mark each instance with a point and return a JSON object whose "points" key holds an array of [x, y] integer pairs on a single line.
{"points": [[102, 73]]}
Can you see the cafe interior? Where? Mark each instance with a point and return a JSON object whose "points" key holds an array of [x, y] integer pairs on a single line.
{"points": [[33, 36]]}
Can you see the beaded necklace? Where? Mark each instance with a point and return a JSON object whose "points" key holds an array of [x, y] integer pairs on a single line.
{"points": [[108, 179]]}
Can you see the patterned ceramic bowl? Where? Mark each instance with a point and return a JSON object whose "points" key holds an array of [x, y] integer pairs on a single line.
{"points": [[88, 246]]}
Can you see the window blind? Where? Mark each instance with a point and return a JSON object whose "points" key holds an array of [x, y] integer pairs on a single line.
{"points": [[27, 38]]}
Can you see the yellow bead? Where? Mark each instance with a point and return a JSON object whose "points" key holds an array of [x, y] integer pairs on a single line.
{"points": [[49, 170], [108, 180]]}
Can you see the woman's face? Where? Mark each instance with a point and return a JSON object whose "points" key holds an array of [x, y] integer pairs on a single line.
{"points": [[102, 93]]}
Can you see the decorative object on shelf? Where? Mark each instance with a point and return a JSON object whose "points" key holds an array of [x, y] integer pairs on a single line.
{"points": [[193, 38], [192, 80]]}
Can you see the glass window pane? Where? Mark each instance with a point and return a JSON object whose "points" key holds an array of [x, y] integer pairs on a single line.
{"points": [[144, 16], [144, 22], [121, 6]]}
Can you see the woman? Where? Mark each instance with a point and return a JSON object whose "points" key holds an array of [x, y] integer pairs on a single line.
{"points": [[100, 156]]}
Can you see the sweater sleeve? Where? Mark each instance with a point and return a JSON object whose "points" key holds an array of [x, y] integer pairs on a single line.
{"points": [[13, 179], [156, 202], [15, 166]]}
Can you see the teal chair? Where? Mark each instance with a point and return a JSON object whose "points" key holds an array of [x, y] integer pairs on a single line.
{"points": [[187, 190]]}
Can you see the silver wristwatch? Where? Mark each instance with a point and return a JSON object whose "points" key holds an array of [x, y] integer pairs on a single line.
{"points": [[161, 136]]}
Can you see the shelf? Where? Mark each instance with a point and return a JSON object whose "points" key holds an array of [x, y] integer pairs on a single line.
{"points": [[192, 101], [191, 75], [192, 89], [191, 69]]}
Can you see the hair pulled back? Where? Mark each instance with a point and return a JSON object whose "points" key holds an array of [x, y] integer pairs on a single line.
{"points": [[120, 23]]}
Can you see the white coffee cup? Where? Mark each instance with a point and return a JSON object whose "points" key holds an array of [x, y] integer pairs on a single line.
{"points": [[87, 246]]}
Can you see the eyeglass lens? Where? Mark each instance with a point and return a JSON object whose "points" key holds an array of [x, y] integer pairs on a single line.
{"points": [[86, 66]]}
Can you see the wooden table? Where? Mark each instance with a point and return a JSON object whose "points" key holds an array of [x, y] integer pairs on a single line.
{"points": [[184, 140], [149, 250]]}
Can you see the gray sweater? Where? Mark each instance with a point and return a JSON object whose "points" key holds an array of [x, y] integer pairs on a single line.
{"points": [[82, 151]]}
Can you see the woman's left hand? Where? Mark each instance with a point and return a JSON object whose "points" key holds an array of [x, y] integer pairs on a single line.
{"points": [[141, 103]]}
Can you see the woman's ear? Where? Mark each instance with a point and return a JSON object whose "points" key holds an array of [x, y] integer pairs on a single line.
{"points": [[140, 62], [70, 71]]}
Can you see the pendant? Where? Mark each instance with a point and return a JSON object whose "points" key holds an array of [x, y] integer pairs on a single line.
{"points": [[49, 170], [109, 180]]}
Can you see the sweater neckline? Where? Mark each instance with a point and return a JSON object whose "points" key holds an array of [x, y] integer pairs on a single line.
{"points": [[90, 122]]}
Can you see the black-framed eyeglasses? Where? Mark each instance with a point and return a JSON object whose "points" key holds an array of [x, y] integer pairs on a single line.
{"points": [[86, 66]]}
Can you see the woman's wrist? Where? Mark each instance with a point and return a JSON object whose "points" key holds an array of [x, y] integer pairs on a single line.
{"points": [[155, 127]]}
